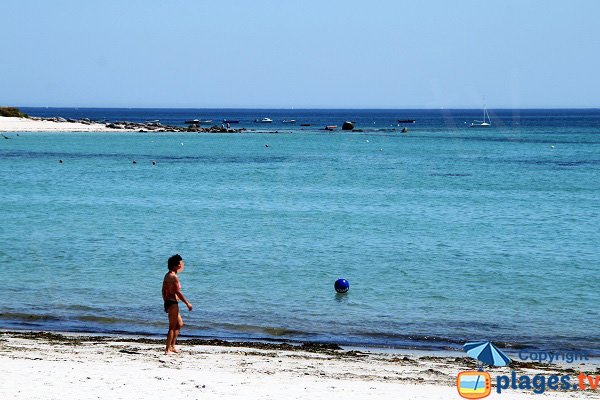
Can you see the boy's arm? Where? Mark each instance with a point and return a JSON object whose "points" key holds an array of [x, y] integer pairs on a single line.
{"points": [[182, 297]]}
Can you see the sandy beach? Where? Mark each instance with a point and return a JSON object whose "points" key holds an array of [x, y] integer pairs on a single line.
{"points": [[58, 124], [50, 366], [14, 124]]}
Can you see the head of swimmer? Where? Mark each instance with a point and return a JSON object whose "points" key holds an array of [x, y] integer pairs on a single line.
{"points": [[175, 263]]}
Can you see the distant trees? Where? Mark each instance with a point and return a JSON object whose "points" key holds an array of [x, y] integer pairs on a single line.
{"points": [[12, 112]]}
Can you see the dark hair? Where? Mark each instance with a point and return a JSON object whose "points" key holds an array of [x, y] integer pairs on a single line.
{"points": [[173, 261]]}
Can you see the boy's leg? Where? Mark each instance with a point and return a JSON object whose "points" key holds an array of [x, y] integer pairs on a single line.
{"points": [[173, 327], [170, 336], [176, 332]]}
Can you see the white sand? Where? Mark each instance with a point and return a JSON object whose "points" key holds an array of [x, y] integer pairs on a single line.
{"points": [[50, 369], [14, 124]]}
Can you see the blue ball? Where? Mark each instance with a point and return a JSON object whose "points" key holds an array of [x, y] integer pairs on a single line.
{"points": [[341, 285]]}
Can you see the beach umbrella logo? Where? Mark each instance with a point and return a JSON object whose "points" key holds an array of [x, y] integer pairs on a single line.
{"points": [[487, 353], [478, 384]]}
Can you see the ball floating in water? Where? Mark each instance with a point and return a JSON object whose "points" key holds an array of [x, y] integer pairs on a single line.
{"points": [[341, 285]]}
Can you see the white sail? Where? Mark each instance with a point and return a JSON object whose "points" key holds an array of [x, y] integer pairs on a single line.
{"points": [[486, 123]]}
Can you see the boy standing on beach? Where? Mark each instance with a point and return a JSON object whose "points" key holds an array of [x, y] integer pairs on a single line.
{"points": [[171, 293]]}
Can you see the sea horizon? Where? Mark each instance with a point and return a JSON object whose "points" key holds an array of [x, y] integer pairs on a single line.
{"points": [[503, 108]]}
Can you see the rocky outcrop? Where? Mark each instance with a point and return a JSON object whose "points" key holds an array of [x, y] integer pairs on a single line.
{"points": [[158, 127], [150, 126], [347, 126]]}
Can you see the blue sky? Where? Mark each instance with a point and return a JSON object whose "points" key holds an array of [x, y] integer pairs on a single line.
{"points": [[283, 54]]}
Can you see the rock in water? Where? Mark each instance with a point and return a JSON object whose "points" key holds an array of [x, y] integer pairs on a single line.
{"points": [[347, 126]]}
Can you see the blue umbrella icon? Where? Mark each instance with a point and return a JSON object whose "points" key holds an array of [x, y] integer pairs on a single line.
{"points": [[487, 353]]}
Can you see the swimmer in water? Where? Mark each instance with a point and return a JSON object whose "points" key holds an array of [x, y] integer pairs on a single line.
{"points": [[171, 293]]}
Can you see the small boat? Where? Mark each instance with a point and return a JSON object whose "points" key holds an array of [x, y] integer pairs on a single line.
{"points": [[265, 120], [206, 121], [482, 124], [407, 121], [192, 121], [289, 121], [304, 124], [331, 127], [231, 121]]}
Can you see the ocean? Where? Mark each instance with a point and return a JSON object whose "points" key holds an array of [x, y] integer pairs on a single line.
{"points": [[446, 234]]}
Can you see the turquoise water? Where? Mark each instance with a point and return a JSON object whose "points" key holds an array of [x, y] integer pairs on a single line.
{"points": [[446, 234]]}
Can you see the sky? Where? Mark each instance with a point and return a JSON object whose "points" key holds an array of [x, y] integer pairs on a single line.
{"points": [[300, 54]]}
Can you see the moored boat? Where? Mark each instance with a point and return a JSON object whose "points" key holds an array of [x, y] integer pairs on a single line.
{"points": [[482, 124], [265, 120]]}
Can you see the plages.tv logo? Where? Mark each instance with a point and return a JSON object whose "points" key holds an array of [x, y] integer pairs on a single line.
{"points": [[474, 384], [478, 384]]}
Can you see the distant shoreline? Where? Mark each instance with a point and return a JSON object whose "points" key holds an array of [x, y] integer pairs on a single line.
{"points": [[59, 124], [286, 120]]}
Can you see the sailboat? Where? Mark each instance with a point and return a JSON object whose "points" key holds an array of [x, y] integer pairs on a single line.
{"points": [[482, 124]]}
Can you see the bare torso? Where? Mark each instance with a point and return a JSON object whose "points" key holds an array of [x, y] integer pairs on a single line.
{"points": [[170, 286]]}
